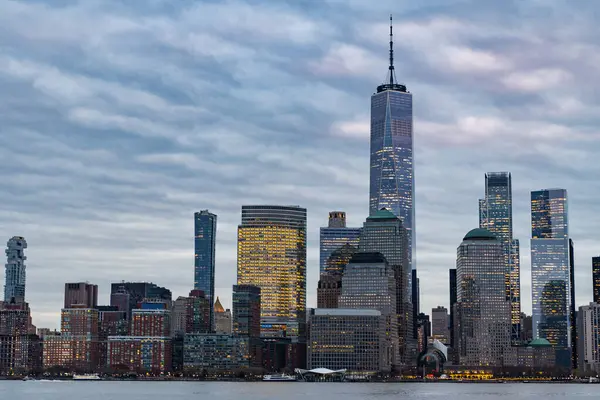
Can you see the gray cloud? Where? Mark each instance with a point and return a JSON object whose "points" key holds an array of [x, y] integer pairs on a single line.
{"points": [[119, 120]]}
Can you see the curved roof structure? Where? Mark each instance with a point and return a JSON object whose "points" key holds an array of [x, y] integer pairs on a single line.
{"points": [[479, 234], [541, 342], [320, 371], [383, 214]]}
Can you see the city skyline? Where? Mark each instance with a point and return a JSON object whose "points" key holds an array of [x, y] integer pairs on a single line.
{"points": [[128, 156]]}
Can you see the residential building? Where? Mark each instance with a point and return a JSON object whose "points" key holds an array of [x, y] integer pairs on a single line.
{"points": [[391, 162], [369, 283], [551, 270], [484, 312], [337, 244], [272, 256], [141, 354], [191, 314], [383, 232], [151, 322], [589, 339], [352, 339], [495, 215], [217, 352], [14, 286], [81, 294], [205, 233]]}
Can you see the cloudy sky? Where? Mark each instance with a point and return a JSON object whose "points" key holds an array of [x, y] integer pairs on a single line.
{"points": [[119, 119]]}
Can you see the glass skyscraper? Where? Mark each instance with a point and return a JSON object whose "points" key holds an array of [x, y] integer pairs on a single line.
{"points": [[272, 256], [484, 319], [495, 215], [551, 267], [14, 288], [337, 244], [596, 278], [391, 165], [205, 231]]}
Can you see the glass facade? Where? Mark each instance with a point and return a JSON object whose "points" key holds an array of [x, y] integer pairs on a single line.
{"points": [[484, 319], [495, 215], [337, 244], [14, 288], [205, 230], [596, 278], [550, 267], [272, 256], [391, 165]]}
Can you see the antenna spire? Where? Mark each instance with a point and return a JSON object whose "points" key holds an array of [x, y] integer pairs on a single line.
{"points": [[391, 68]]}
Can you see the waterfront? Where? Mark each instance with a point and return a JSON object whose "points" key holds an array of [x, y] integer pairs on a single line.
{"points": [[61, 390]]}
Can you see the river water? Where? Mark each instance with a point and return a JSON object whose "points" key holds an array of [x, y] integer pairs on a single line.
{"points": [[65, 390]]}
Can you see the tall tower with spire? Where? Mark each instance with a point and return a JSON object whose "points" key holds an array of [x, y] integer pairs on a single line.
{"points": [[392, 167]]}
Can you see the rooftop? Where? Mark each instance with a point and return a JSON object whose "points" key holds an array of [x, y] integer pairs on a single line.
{"points": [[541, 342], [346, 311], [382, 214], [479, 234]]}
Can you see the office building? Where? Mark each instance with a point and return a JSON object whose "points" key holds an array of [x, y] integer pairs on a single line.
{"points": [[14, 286], [329, 290], [551, 266], [272, 256], [222, 318], [383, 232], [596, 279], [484, 312], [246, 310], [352, 339], [337, 244], [369, 283], [495, 215], [138, 292], [391, 163], [205, 232], [415, 298], [423, 325], [121, 300], [452, 280], [81, 294], [217, 352], [439, 325], [589, 338]]}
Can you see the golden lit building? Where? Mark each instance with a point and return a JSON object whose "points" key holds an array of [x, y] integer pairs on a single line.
{"points": [[272, 256]]}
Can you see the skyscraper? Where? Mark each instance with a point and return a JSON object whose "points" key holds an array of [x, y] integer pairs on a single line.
{"points": [[484, 313], [495, 215], [246, 310], [272, 256], [551, 268], [337, 243], [439, 324], [452, 304], [589, 338], [391, 165], [369, 283], [596, 278], [384, 233], [205, 231], [14, 287]]}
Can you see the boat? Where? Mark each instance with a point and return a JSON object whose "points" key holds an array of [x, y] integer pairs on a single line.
{"points": [[279, 378], [86, 377]]}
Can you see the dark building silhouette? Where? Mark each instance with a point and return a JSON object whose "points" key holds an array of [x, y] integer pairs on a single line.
{"points": [[329, 291], [596, 278], [452, 303], [139, 291]]}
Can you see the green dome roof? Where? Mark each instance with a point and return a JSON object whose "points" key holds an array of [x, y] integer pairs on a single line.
{"points": [[540, 343], [383, 214], [479, 234]]}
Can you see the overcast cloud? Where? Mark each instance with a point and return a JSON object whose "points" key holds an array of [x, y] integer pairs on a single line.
{"points": [[120, 119]]}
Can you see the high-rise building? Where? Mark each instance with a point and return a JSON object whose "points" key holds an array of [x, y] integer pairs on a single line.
{"points": [[551, 269], [415, 298], [423, 325], [439, 324], [191, 314], [337, 244], [484, 312], [222, 318], [14, 287], [205, 232], [151, 322], [329, 290], [138, 292], [589, 338], [352, 339], [596, 278], [272, 256], [452, 304], [383, 232], [391, 164], [81, 294], [369, 283], [573, 310], [495, 215], [246, 310]]}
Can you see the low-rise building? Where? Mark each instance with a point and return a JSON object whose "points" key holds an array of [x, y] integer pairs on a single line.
{"points": [[216, 351]]}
